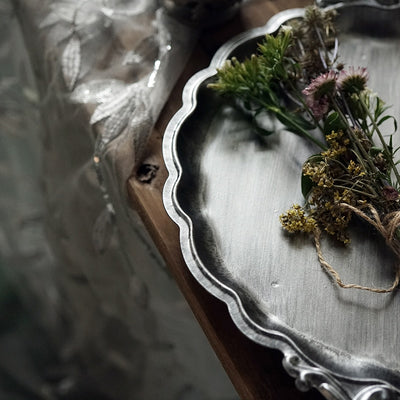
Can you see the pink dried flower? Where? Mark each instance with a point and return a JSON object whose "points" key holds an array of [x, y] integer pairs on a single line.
{"points": [[323, 85], [319, 107], [317, 93], [390, 193], [353, 80]]}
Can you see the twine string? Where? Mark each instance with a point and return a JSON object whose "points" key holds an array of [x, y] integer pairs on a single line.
{"points": [[386, 227]]}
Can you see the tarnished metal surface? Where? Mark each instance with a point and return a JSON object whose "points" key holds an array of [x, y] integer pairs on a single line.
{"points": [[226, 190]]}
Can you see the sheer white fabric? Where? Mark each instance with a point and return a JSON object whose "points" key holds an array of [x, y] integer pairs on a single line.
{"points": [[103, 70]]}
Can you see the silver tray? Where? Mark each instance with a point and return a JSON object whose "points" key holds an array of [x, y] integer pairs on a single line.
{"points": [[226, 189]]}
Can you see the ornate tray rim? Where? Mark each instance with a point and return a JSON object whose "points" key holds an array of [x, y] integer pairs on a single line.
{"points": [[307, 373]]}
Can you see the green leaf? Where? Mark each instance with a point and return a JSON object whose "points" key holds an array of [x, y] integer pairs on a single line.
{"points": [[315, 158], [303, 122], [333, 123], [379, 108], [375, 151], [271, 97], [293, 121], [306, 183], [385, 118], [262, 131], [395, 150], [288, 121]]}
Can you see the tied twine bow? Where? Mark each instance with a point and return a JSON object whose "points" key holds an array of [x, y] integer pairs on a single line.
{"points": [[387, 227]]}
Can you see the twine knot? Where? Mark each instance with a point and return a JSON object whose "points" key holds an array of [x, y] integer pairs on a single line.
{"points": [[387, 227]]}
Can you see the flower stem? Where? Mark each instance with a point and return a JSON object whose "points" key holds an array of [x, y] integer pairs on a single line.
{"points": [[355, 140], [300, 98], [290, 123], [374, 195], [382, 140]]}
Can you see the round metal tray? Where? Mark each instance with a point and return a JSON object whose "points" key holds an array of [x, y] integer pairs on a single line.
{"points": [[226, 189]]}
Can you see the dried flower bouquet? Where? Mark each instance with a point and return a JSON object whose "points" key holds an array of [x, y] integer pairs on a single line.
{"points": [[296, 77]]}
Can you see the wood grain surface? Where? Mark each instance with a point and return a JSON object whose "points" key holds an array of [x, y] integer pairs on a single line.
{"points": [[255, 371]]}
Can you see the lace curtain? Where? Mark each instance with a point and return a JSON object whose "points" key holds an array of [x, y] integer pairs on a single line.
{"points": [[105, 310]]}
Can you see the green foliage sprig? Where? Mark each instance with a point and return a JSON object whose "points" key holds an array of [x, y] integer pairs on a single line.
{"points": [[260, 83]]}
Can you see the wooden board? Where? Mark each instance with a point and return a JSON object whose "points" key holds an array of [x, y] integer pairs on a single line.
{"points": [[255, 371]]}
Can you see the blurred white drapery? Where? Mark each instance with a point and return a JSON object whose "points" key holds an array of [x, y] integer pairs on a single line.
{"points": [[72, 131]]}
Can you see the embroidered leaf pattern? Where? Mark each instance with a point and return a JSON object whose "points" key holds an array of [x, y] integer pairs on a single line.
{"points": [[73, 12], [127, 109], [71, 61], [140, 124], [115, 124], [102, 231], [97, 91], [114, 105]]}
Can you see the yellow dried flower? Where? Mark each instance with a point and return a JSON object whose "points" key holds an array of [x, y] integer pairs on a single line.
{"points": [[334, 152], [296, 220], [333, 135], [355, 169], [317, 173], [337, 145]]}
